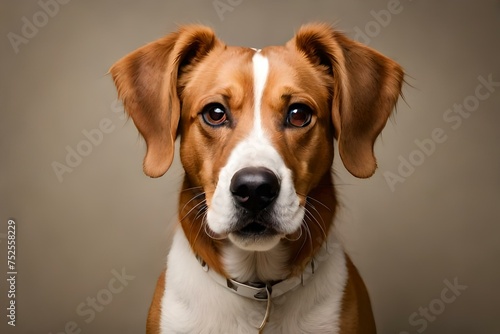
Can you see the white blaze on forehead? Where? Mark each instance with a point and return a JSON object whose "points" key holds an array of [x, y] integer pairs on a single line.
{"points": [[260, 71], [255, 150]]}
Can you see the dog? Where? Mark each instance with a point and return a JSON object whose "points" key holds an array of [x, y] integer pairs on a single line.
{"points": [[255, 250]]}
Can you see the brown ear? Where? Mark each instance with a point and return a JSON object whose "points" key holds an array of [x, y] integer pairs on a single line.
{"points": [[146, 80], [366, 88]]}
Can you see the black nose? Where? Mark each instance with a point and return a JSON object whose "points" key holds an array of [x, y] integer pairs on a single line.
{"points": [[254, 188]]}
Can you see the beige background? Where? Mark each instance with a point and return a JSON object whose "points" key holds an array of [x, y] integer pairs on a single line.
{"points": [[441, 224]]}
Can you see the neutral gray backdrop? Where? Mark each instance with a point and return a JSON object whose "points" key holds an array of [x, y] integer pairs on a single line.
{"points": [[410, 240]]}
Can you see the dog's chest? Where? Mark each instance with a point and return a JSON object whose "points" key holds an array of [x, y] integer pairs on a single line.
{"points": [[194, 303]]}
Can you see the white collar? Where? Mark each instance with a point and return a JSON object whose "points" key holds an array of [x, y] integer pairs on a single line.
{"points": [[259, 290]]}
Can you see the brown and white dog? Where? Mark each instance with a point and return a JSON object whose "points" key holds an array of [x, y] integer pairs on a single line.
{"points": [[256, 250]]}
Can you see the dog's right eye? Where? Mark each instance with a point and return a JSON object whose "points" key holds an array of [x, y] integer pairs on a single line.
{"points": [[214, 114]]}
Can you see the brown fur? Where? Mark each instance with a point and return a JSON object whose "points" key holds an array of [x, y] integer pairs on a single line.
{"points": [[154, 315], [356, 316]]}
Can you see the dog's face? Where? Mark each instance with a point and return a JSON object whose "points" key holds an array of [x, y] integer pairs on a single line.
{"points": [[257, 135], [257, 126]]}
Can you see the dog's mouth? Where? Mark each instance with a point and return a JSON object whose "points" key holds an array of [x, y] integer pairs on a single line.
{"points": [[255, 235], [255, 228], [255, 225]]}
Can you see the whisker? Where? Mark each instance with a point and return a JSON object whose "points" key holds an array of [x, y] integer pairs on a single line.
{"points": [[192, 188], [309, 236], [192, 199], [211, 235], [308, 215], [313, 218], [319, 202], [202, 203], [199, 230], [300, 235], [303, 242], [201, 211]]}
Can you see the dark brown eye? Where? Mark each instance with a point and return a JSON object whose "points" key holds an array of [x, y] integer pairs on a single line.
{"points": [[299, 115], [214, 114]]}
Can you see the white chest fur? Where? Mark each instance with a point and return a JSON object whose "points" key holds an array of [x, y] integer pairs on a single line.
{"points": [[194, 303]]}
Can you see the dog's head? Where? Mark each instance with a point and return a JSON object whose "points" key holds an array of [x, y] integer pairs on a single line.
{"points": [[257, 128]]}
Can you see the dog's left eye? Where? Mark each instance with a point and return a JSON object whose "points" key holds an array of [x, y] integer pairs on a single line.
{"points": [[299, 115], [214, 114]]}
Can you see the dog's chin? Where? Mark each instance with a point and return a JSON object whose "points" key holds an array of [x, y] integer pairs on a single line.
{"points": [[255, 237], [256, 243]]}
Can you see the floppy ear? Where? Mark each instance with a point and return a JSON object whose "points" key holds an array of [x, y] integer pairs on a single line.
{"points": [[366, 87], [146, 80]]}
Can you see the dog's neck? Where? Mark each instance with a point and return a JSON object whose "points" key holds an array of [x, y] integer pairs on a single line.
{"points": [[253, 266]]}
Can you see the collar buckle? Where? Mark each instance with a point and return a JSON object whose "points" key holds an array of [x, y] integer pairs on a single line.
{"points": [[259, 290]]}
